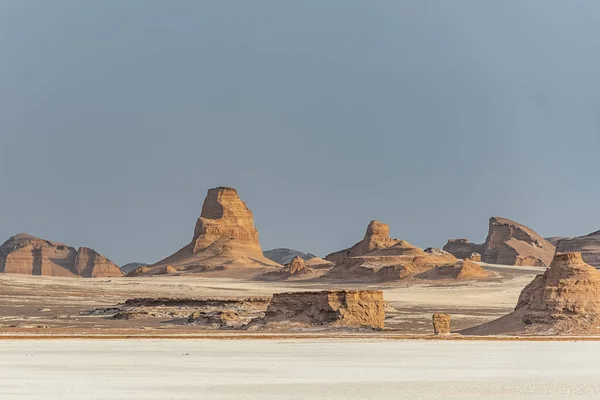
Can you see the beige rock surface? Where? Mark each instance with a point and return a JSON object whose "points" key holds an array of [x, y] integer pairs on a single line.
{"points": [[376, 237], [341, 308], [565, 300], [224, 237], [475, 257], [462, 270], [588, 246], [90, 264], [507, 243], [29, 255], [441, 323], [377, 250]]}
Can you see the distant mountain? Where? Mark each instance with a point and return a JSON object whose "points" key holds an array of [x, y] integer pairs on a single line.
{"points": [[28, 255], [587, 245], [127, 268], [284, 256]]}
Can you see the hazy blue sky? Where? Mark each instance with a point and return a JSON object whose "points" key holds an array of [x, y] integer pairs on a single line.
{"points": [[432, 116]]}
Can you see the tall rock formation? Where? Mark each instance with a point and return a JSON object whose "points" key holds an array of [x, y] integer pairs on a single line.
{"points": [[588, 246], [377, 250], [565, 300], [28, 255], [224, 236], [508, 243]]}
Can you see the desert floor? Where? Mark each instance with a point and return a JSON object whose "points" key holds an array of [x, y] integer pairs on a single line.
{"points": [[297, 369], [52, 305]]}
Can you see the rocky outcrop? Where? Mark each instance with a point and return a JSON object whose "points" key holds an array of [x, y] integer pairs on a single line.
{"points": [[378, 257], [441, 323], [224, 237], [376, 237], [565, 300], [221, 319], [475, 257], [296, 266], [332, 308], [295, 269], [462, 270], [507, 243], [28, 255], [588, 246]]}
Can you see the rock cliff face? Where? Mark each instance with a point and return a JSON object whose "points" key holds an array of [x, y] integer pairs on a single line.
{"points": [[369, 258], [90, 264], [507, 243], [28, 255], [334, 308], [565, 300], [588, 246], [224, 237]]}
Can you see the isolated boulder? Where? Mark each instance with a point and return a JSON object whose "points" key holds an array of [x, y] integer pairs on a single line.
{"points": [[169, 269], [475, 257], [441, 323], [508, 243]]}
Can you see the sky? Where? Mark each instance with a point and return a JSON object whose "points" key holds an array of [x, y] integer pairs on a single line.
{"points": [[116, 117]]}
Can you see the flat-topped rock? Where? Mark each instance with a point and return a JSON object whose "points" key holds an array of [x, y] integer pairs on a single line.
{"points": [[333, 308]]}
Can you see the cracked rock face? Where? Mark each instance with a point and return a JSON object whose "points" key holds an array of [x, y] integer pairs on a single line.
{"points": [[508, 243], [29, 255]]}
